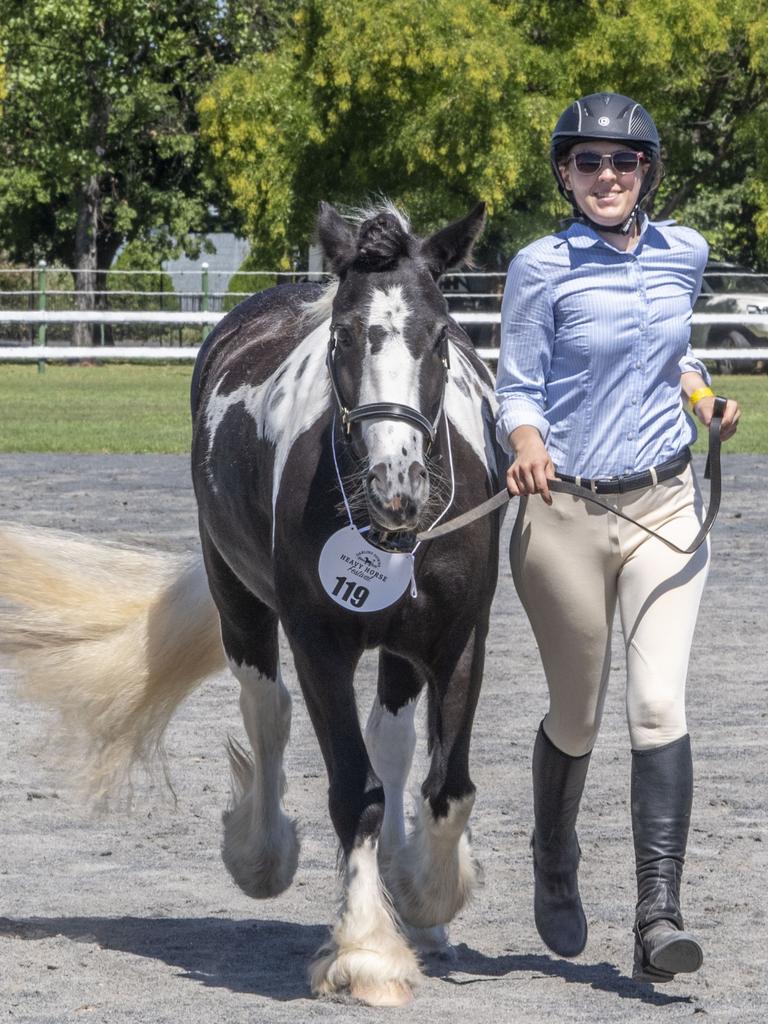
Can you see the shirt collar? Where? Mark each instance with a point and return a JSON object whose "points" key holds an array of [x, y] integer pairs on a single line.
{"points": [[582, 236]]}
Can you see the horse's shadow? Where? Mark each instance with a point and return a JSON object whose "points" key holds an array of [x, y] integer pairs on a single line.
{"points": [[269, 958], [261, 957]]}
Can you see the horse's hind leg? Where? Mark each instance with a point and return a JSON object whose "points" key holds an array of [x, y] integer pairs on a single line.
{"points": [[434, 873], [260, 847], [367, 955], [390, 737]]}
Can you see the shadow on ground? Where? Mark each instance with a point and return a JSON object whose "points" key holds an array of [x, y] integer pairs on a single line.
{"points": [[270, 958], [602, 976], [267, 958]]}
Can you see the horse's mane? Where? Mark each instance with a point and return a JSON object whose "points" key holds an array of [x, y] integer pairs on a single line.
{"points": [[318, 310], [383, 237]]}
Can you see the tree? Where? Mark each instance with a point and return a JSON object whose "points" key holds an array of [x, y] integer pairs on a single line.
{"points": [[437, 104], [98, 124], [433, 104], [700, 67]]}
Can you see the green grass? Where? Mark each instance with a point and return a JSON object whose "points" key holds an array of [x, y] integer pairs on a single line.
{"points": [[109, 408], [136, 408]]}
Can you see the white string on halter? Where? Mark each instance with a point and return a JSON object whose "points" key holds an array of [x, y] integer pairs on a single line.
{"points": [[338, 473], [365, 529]]}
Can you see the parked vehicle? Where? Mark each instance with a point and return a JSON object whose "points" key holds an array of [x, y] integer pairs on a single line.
{"points": [[732, 289]]}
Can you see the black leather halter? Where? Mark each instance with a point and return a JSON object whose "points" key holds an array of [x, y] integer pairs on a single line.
{"points": [[387, 410]]}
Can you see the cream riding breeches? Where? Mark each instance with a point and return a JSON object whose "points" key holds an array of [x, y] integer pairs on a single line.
{"points": [[571, 562]]}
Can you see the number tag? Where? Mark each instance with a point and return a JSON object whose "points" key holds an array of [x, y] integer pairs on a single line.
{"points": [[359, 576]]}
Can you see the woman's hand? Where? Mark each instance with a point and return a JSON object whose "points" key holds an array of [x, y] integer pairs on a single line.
{"points": [[705, 407], [532, 467]]}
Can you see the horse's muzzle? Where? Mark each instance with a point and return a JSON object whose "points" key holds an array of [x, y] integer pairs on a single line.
{"points": [[396, 498]]}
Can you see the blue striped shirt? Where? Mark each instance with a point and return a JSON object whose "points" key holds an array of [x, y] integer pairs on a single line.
{"points": [[593, 343]]}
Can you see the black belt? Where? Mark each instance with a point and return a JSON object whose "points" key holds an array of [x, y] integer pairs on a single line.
{"points": [[633, 481]]}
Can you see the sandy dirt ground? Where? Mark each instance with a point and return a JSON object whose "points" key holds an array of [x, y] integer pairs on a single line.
{"points": [[132, 918]]}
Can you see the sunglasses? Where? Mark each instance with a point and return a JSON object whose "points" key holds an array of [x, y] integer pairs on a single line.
{"points": [[622, 161]]}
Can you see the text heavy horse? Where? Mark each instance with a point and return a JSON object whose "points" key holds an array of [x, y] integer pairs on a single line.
{"points": [[333, 426]]}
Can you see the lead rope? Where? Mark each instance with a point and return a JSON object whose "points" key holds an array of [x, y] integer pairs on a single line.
{"points": [[425, 534], [712, 471]]}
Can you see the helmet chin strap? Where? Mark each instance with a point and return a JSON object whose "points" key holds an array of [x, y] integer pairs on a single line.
{"points": [[623, 228]]}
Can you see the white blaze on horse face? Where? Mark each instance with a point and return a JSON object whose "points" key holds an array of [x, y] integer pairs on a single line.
{"points": [[390, 374]]}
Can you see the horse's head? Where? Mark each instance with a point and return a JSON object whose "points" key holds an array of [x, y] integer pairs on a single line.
{"points": [[388, 350]]}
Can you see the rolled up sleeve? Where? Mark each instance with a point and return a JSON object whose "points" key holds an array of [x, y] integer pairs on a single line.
{"points": [[525, 354]]}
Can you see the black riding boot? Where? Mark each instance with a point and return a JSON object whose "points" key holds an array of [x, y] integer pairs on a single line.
{"points": [[558, 782], [662, 790]]}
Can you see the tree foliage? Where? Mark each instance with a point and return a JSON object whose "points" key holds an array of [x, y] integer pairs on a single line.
{"points": [[701, 68], [99, 139], [436, 103], [431, 103]]}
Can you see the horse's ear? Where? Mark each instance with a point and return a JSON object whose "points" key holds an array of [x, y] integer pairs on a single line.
{"points": [[453, 244], [337, 238]]}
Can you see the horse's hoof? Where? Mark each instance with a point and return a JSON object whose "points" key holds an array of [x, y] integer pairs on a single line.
{"points": [[386, 993], [431, 942]]}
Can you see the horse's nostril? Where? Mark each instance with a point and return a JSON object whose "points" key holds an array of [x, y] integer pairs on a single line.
{"points": [[378, 474], [417, 474]]}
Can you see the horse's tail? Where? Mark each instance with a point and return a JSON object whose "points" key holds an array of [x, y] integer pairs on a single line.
{"points": [[112, 637]]}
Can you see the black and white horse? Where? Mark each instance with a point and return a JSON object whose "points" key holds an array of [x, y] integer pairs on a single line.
{"points": [[331, 425]]}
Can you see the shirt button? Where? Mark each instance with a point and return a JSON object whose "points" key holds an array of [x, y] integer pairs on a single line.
{"points": [[638, 366], [634, 401], [630, 436]]}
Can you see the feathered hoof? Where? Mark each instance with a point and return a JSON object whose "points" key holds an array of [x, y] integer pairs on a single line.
{"points": [[260, 848], [432, 894], [265, 868], [385, 978]]}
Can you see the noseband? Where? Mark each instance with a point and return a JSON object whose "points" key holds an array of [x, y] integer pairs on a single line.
{"points": [[387, 410]]}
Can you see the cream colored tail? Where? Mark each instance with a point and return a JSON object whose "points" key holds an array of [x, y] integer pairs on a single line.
{"points": [[112, 637]]}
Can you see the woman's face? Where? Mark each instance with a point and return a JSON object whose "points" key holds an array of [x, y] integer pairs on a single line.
{"points": [[605, 196]]}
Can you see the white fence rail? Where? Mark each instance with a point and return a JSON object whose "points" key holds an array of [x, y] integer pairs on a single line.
{"points": [[68, 353]]}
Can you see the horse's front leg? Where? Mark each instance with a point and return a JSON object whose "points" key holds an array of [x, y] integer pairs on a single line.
{"points": [[367, 955], [434, 873], [260, 848]]}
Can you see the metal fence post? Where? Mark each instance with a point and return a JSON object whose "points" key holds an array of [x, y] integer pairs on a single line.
{"points": [[204, 302], [42, 302]]}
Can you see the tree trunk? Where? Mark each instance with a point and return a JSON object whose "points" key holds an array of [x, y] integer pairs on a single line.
{"points": [[86, 235], [109, 243]]}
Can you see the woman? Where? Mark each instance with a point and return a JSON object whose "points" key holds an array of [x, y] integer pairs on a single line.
{"points": [[594, 370]]}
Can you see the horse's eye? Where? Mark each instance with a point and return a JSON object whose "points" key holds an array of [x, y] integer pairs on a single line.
{"points": [[343, 335]]}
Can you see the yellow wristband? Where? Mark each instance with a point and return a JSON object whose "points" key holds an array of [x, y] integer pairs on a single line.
{"points": [[700, 393]]}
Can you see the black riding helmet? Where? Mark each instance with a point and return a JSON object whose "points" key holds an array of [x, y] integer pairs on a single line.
{"points": [[607, 116]]}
